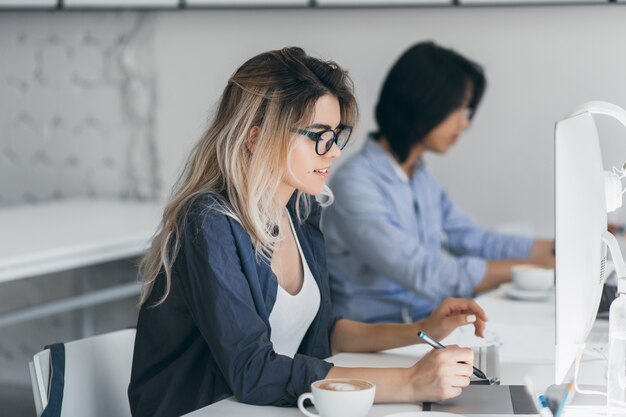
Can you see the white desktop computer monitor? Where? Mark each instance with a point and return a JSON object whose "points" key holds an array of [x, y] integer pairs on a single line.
{"points": [[580, 223]]}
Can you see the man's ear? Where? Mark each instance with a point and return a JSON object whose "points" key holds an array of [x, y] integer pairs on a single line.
{"points": [[253, 135]]}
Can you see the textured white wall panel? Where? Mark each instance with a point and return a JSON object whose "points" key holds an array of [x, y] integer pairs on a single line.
{"points": [[77, 113]]}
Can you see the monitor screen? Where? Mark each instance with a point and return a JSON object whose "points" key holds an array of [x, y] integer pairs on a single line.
{"points": [[580, 222]]}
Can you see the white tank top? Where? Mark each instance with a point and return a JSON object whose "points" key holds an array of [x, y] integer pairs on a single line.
{"points": [[292, 315]]}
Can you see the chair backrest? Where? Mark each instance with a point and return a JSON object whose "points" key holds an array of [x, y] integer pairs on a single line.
{"points": [[97, 373]]}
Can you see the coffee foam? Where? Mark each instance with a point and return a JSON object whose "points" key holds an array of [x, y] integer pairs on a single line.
{"points": [[343, 385]]}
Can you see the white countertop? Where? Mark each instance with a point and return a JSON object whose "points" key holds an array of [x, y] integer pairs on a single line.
{"points": [[67, 234], [523, 330]]}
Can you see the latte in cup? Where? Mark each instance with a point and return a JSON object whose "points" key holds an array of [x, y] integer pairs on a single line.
{"points": [[343, 384], [339, 397]]}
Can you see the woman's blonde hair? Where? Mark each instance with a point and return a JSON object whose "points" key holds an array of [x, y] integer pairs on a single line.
{"points": [[272, 92]]}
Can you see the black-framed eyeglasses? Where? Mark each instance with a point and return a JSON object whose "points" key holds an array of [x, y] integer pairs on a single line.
{"points": [[324, 139]]}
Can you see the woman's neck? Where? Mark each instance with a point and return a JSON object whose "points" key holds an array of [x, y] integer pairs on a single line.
{"points": [[408, 166], [283, 195]]}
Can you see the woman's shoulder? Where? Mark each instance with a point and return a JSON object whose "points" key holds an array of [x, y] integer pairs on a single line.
{"points": [[208, 211], [209, 203]]}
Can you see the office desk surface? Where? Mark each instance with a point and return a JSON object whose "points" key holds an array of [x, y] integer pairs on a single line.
{"points": [[69, 234], [524, 330]]}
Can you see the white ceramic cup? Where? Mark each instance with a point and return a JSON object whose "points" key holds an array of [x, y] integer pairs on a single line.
{"points": [[532, 278], [339, 397]]}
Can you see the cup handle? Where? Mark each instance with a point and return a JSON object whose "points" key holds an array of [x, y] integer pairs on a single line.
{"points": [[301, 399]]}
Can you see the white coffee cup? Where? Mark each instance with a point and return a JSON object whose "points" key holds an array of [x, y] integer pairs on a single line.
{"points": [[532, 278], [339, 397]]}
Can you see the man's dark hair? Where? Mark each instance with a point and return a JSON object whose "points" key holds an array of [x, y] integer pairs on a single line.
{"points": [[422, 88]]}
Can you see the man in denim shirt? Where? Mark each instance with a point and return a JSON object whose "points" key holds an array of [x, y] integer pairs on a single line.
{"points": [[396, 244]]}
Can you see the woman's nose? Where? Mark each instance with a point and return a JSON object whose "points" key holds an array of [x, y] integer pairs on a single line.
{"points": [[334, 151]]}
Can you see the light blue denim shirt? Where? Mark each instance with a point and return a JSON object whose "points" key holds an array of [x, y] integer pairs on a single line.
{"points": [[397, 246]]}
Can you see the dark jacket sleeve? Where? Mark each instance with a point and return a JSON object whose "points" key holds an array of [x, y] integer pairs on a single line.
{"points": [[219, 280]]}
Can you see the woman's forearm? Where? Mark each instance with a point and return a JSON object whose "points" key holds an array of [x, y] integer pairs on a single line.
{"points": [[392, 384], [353, 336]]}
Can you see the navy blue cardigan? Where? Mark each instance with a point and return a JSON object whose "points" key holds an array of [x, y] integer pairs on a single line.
{"points": [[210, 339]]}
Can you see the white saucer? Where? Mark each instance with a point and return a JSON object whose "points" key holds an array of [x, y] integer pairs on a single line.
{"points": [[515, 293], [424, 414]]}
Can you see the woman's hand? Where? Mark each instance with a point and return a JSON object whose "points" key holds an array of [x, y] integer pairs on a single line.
{"points": [[452, 313], [441, 374]]}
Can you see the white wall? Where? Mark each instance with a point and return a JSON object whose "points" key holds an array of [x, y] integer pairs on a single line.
{"points": [[77, 98], [540, 61]]}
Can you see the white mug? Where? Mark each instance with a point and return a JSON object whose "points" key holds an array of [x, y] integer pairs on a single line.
{"points": [[532, 278], [339, 397]]}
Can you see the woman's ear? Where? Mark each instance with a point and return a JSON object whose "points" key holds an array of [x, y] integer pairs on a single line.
{"points": [[253, 135]]}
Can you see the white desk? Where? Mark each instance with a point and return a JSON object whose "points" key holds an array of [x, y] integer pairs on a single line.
{"points": [[58, 236], [523, 330]]}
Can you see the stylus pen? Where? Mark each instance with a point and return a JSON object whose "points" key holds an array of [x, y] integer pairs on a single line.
{"points": [[437, 345]]}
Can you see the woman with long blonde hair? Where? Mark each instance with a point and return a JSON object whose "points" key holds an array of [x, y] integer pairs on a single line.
{"points": [[236, 298]]}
